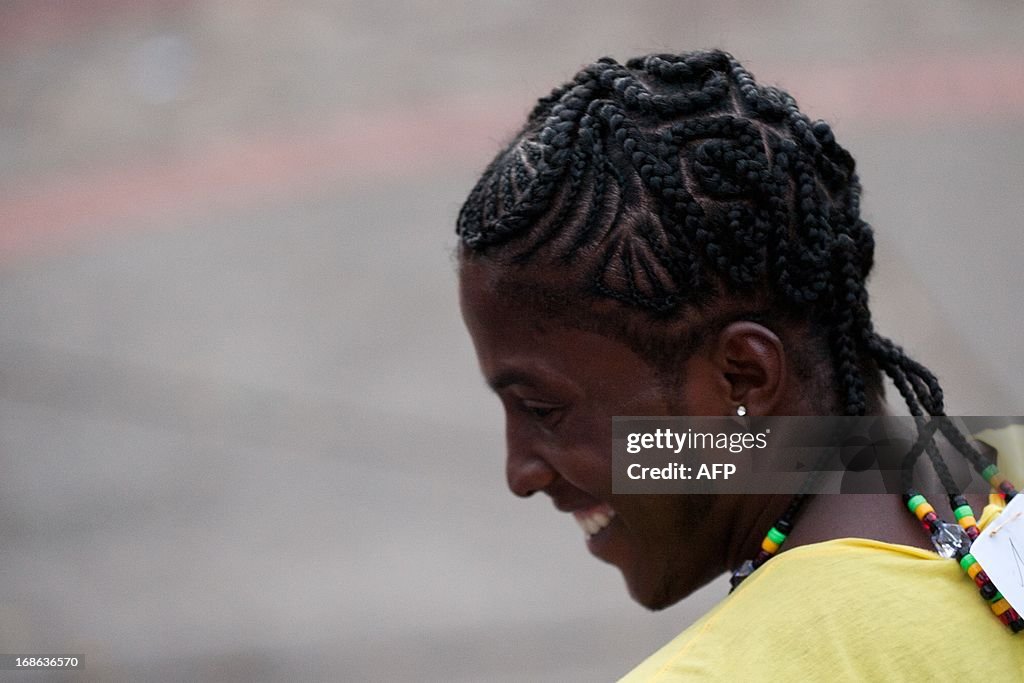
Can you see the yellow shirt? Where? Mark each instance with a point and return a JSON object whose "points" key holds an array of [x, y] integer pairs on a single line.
{"points": [[851, 609]]}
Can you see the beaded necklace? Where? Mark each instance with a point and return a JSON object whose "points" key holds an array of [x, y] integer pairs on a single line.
{"points": [[951, 541]]}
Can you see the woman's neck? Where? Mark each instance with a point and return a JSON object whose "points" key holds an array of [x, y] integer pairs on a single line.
{"points": [[882, 516]]}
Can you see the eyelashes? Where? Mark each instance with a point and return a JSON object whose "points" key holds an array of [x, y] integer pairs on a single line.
{"points": [[544, 412], [539, 409]]}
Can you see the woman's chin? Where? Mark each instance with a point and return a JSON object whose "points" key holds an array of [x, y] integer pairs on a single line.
{"points": [[654, 593]]}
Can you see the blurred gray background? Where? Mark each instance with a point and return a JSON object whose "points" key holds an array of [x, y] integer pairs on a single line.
{"points": [[242, 435]]}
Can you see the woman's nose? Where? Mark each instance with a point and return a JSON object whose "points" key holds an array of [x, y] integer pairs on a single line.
{"points": [[526, 471]]}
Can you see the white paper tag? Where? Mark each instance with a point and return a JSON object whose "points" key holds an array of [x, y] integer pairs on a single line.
{"points": [[1000, 552]]}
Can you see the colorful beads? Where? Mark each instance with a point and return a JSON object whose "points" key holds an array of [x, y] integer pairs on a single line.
{"points": [[914, 501], [954, 541], [1016, 625], [925, 513], [991, 474], [1013, 620], [963, 511], [965, 517], [997, 482], [772, 541], [923, 509], [1000, 606]]}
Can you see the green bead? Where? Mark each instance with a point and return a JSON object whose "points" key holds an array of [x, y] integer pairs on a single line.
{"points": [[966, 561], [997, 597], [963, 511], [989, 472], [915, 501], [776, 536]]}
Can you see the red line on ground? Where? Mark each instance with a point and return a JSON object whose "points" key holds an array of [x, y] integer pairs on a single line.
{"points": [[397, 144], [381, 145]]}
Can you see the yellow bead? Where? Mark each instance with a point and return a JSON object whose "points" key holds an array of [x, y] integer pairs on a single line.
{"points": [[973, 570], [923, 509], [769, 546], [968, 521], [1000, 606]]}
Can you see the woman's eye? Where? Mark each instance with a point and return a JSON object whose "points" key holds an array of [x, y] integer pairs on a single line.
{"points": [[539, 409]]}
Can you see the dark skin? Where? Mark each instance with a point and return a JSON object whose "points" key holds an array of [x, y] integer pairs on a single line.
{"points": [[560, 387]]}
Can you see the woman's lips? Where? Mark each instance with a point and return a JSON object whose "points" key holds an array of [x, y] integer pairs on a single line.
{"points": [[594, 518]]}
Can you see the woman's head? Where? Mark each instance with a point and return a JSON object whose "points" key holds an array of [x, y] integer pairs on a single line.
{"points": [[682, 190], [668, 237]]}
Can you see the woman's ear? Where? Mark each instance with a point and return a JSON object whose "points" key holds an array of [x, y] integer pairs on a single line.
{"points": [[752, 362]]}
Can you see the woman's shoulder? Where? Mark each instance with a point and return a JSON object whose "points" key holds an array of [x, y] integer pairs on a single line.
{"points": [[846, 608]]}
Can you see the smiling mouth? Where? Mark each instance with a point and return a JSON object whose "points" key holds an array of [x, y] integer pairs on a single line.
{"points": [[593, 520]]}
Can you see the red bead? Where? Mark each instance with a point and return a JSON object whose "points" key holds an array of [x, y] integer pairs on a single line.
{"points": [[972, 532], [762, 557], [1013, 620], [928, 521], [981, 578]]}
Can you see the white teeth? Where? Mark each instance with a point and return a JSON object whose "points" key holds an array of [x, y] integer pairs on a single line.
{"points": [[594, 519]]}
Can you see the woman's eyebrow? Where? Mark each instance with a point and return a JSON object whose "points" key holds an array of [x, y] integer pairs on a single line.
{"points": [[510, 377]]}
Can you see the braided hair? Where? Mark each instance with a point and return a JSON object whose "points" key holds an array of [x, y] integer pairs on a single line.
{"points": [[675, 181]]}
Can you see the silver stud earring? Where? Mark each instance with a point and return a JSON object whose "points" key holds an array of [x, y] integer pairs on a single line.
{"points": [[741, 410]]}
